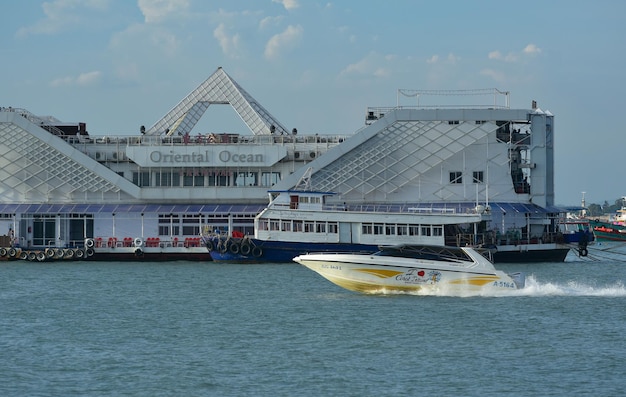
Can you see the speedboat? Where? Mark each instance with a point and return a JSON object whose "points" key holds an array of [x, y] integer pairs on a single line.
{"points": [[413, 268]]}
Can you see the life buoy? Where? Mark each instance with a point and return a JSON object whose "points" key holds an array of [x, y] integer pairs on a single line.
{"points": [[138, 242], [138, 252], [68, 253], [3, 252], [234, 248], [245, 249], [583, 252], [23, 255], [209, 245], [32, 256], [89, 252], [49, 252], [80, 253], [12, 252], [41, 256], [89, 243], [257, 252]]}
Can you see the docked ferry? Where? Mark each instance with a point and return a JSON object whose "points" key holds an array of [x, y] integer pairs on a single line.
{"points": [[160, 190]]}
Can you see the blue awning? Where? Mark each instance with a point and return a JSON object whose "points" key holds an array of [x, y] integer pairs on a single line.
{"points": [[128, 208]]}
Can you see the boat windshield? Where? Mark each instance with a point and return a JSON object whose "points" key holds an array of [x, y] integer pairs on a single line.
{"points": [[435, 253]]}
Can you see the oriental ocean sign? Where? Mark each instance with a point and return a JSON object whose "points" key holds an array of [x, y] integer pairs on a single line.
{"points": [[206, 155]]}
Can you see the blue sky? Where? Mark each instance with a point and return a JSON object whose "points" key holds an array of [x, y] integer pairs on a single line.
{"points": [[317, 65]]}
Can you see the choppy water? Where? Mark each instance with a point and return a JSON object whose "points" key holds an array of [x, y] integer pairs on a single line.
{"points": [[190, 329]]}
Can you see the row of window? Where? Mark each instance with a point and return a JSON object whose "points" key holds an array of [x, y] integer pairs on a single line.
{"points": [[203, 179], [457, 177], [383, 229]]}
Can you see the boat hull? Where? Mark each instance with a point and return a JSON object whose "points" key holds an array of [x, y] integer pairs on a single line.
{"points": [[285, 251], [151, 254], [608, 231], [360, 274], [260, 251]]}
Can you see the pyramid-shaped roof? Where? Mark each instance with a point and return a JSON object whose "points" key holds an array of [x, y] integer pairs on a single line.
{"points": [[220, 89]]}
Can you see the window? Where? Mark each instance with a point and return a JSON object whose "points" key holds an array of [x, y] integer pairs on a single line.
{"points": [[477, 177], [414, 230], [320, 227], [270, 178], [390, 230], [425, 230], [191, 225], [437, 230], [263, 224], [309, 227], [456, 177], [274, 224], [378, 228], [297, 226], [286, 226], [332, 227], [403, 230], [141, 178], [366, 228], [169, 225]]}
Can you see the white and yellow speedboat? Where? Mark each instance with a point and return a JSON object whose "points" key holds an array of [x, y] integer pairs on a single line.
{"points": [[413, 268]]}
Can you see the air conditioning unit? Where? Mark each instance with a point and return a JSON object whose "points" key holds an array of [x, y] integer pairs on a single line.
{"points": [[101, 156], [119, 156]]}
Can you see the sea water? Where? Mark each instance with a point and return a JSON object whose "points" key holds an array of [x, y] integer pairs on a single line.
{"points": [[209, 329]]}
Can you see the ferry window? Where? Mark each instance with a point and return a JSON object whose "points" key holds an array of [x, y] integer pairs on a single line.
{"points": [[402, 230], [141, 178], [286, 226], [477, 177], [390, 230], [426, 231], [191, 225], [414, 230], [169, 225], [315, 200], [270, 178], [263, 224], [163, 179], [303, 199], [366, 228], [437, 230], [274, 224], [332, 227], [320, 227], [456, 177], [297, 226], [309, 227], [378, 228]]}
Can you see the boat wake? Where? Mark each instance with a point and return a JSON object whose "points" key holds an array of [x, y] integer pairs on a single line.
{"points": [[533, 287]]}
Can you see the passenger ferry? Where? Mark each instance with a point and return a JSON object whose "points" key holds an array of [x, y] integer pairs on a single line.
{"points": [[63, 187]]}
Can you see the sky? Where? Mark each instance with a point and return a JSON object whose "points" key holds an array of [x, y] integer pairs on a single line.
{"points": [[317, 65]]}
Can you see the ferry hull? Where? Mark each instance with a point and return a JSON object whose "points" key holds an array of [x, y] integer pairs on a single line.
{"points": [[260, 251], [285, 251]]}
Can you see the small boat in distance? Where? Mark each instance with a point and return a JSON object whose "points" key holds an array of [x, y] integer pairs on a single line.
{"points": [[614, 229], [422, 269]]}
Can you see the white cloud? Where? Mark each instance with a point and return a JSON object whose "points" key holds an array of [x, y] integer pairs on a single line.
{"points": [[532, 49], [282, 41], [494, 74], [270, 21], [62, 14], [229, 44], [373, 64], [155, 11], [288, 4], [83, 79], [529, 50], [451, 59]]}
